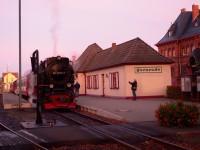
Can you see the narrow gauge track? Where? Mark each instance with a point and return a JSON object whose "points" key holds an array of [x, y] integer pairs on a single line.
{"points": [[35, 145], [138, 131], [87, 121]]}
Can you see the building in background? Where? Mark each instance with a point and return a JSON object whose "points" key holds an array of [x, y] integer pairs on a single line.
{"points": [[108, 72], [181, 39], [7, 79], [1, 85]]}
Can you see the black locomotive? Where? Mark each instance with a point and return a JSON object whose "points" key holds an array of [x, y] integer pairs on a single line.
{"points": [[56, 82]]}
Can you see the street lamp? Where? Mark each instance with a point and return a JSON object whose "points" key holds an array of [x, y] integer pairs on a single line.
{"points": [[20, 75]]}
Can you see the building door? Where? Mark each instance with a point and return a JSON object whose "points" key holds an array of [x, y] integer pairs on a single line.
{"points": [[103, 85]]}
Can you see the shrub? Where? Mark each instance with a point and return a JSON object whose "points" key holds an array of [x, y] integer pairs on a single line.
{"points": [[177, 115], [173, 92]]}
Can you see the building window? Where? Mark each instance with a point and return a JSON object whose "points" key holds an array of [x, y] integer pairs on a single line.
{"points": [[169, 52], [196, 24], [95, 84], [161, 52], [184, 51], [114, 80], [92, 82], [173, 52], [192, 47], [89, 82], [166, 53], [187, 49], [170, 33]]}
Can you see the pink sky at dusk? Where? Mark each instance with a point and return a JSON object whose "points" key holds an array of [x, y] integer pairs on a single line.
{"points": [[69, 26]]}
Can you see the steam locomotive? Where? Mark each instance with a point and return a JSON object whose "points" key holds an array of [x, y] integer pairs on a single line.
{"points": [[55, 85]]}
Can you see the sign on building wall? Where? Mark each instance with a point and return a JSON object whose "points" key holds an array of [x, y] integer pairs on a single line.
{"points": [[150, 69], [186, 84]]}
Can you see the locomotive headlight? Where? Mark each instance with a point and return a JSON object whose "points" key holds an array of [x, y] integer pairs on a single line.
{"points": [[69, 85], [51, 86]]}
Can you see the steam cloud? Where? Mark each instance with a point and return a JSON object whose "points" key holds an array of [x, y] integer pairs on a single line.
{"points": [[55, 24]]}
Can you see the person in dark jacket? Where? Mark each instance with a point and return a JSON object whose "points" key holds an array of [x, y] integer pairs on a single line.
{"points": [[133, 88], [76, 88]]}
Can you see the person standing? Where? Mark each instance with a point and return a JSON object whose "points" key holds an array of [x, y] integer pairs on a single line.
{"points": [[76, 88], [133, 88]]}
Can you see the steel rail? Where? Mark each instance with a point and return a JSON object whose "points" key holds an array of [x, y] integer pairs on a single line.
{"points": [[137, 132], [101, 132], [37, 145]]}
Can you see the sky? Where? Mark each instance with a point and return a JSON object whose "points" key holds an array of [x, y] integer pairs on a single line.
{"points": [[67, 27]]}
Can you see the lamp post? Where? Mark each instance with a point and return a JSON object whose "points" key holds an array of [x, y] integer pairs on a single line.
{"points": [[20, 82]]}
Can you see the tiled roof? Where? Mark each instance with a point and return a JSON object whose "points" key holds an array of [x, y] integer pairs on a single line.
{"points": [[192, 30], [134, 51], [183, 28], [84, 60]]}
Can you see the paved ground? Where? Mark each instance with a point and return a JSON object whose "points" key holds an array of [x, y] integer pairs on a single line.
{"points": [[140, 113], [10, 101], [121, 109], [131, 111], [11, 98]]}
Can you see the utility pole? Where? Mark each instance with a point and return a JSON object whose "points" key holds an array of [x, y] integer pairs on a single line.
{"points": [[20, 74]]}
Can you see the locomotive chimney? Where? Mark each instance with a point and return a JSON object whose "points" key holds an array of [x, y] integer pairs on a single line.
{"points": [[195, 11]]}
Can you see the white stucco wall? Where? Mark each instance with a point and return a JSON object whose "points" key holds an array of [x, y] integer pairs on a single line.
{"points": [[81, 80], [149, 84], [107, 91]]}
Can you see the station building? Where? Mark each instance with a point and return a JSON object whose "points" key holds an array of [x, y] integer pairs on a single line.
{"points": [[108, 72]]}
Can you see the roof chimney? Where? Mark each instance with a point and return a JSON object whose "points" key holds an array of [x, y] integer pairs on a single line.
{"points": [[183, 10], [195, 11], [114, 45]]}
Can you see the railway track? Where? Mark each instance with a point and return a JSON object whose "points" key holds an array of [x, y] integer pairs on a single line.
{"points": [[23, 141], [87, 123], [123, 134]]}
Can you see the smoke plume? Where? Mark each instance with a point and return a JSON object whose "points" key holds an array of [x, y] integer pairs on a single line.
{"points": [[55, 25]]}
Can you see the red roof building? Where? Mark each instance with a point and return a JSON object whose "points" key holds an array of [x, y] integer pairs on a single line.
{"points": [[181, 39]]}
